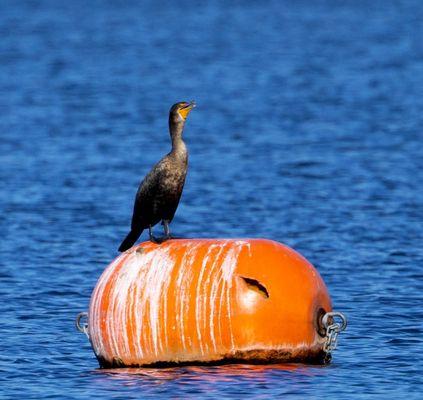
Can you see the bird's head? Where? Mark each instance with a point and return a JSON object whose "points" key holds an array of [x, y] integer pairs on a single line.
{"points": [[179, 111]]}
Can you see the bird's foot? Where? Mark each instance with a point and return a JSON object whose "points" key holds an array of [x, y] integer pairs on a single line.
{"points": [[167, 235], [159, 240], [155, 240]]}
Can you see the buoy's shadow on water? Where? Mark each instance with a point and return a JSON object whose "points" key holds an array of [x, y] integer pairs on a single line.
{"points": [[223, 373]]}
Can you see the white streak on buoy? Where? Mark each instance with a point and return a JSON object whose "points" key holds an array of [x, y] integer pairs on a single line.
{"points": [[228, 267], [96, 298], [156, 277], [182, 290], [215, 274], [110, 317], [199, 304], [144, 265], [124, 290]]}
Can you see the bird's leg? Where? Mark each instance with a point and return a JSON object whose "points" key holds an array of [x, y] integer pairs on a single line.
{"points": [[166, 229], [150, 232]]}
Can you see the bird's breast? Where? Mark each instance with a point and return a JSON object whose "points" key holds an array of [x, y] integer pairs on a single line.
{"points": [[173, 173], [174, 178]]}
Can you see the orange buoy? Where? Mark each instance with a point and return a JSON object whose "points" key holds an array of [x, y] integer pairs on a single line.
{"points": [[208, 300]]}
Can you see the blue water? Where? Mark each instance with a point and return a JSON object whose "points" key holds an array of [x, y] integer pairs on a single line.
{"points": [[308, 131]]}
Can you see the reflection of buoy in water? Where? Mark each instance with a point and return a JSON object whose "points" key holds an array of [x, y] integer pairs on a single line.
{"points": [[208, 300]]}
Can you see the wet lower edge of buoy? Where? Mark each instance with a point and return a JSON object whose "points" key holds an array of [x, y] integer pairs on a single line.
{"points": [[252, 357]]}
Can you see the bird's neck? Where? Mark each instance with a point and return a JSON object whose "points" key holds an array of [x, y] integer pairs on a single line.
{"points": [[178, 145]]}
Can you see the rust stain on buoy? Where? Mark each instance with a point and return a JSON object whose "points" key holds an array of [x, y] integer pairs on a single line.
{"points": [[208, 300]]}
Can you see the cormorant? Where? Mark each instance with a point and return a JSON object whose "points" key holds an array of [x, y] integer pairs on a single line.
{"points": [[158, 195]]}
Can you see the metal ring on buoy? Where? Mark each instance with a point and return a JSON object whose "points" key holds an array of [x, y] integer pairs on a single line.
{"points": [[83, 328], [334, 314]]}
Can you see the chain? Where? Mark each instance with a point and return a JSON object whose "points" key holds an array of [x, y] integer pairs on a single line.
{"points": [[333, 329]]}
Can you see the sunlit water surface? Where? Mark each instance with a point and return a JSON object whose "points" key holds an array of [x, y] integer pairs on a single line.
{"points": [[308, 131]]}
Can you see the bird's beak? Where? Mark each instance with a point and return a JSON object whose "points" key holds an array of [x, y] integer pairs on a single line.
{"points": [[183, 112]]}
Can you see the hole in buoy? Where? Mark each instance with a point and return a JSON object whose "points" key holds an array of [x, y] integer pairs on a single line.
{"points": [[255, 285], [321, 330]]}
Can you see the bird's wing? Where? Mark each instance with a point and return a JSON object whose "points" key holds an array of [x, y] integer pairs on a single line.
{"points": [[151, 182], [147, 191]]}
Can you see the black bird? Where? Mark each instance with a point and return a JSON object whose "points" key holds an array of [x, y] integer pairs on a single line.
{"points": [[158, 194]]}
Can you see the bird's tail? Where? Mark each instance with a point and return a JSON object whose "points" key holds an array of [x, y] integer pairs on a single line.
{"points": [[130, 239]]}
